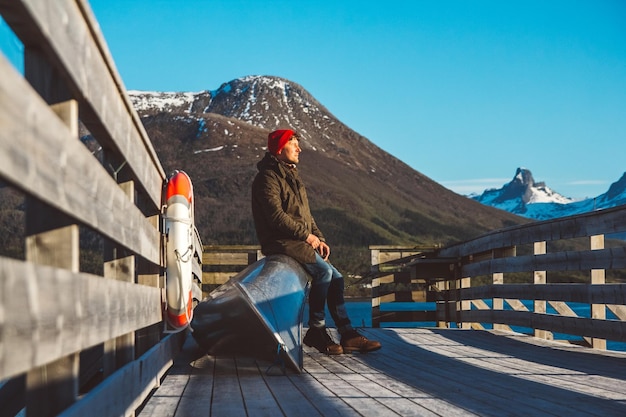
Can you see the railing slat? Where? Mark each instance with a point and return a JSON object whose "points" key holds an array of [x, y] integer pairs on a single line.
{"points": [[68, 35], [573, 293], [612, 258], [128, 387], [39, 155], [560, 324], [61, 312], [606, 221]]}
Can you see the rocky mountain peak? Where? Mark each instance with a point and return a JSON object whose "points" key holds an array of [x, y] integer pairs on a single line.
{"points": [[273, 102], [535, 200], [519, 192]]}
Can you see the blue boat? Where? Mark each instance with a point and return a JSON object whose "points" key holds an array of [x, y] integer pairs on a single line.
{"points": [[258, 313]]}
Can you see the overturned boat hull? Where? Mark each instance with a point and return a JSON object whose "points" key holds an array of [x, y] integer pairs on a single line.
{"points": [[258, 312]]}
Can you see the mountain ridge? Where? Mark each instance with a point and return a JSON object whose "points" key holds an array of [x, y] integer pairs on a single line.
{"points": [[535, 200], [360, 195]]}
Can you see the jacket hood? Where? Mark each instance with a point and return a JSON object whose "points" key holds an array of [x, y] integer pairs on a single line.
{"points": [[269, 162]]}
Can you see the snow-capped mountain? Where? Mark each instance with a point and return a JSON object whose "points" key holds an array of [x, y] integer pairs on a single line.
{"points": [[535, 200]]}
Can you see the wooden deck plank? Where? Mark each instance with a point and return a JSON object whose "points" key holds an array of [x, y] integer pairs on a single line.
{"points": [[419, 372], [197, 397], [547, 374], [227, 399], [293, 402], [324, 401], [440, 379], [485, 389], [258, 399]]}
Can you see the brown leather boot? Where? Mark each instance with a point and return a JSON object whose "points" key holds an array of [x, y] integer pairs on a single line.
{"points": [[321, 340], [353, 341]]}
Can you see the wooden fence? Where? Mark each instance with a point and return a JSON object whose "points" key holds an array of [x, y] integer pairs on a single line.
{"points": [[62, 330], [395, 283], [221, 262], [509, 278]]}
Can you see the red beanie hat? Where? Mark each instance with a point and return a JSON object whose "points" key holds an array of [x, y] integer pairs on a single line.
{"points": [[277, 140]]}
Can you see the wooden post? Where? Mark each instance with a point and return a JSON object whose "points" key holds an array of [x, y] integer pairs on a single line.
{"points": [[120, 266], [464, 305], [375, 260], [375, 302], [540, 278], [498, 303], [498, 279], [151, 275], [443, 307], [598, 277], [52, 239]]}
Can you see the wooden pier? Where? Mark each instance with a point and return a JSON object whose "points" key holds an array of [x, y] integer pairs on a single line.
{"points": [[418, 372], [88, 340]]}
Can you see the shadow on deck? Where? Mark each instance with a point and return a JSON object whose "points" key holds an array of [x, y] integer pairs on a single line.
{"points": [[418, 372]]}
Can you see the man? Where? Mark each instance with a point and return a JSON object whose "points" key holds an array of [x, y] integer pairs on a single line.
{"points": [[284, 225]]}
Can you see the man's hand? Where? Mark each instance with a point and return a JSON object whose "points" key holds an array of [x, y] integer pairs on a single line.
{"points": [[318, 245], [324, 250], [313, 241]]}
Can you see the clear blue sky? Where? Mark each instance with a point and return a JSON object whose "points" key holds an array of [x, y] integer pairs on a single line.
{"points": [[463, 91]]}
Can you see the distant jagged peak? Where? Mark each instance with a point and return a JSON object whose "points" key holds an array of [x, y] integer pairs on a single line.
{"points": [[520, 191], [524, 186], [524, 177]]}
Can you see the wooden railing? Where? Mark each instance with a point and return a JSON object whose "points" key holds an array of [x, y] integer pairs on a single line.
{"points": [[509, 278], [72, 342], [221, 262], [395, 283]]}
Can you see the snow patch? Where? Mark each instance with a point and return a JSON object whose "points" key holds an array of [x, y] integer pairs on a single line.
{"points": [[218, 148]]}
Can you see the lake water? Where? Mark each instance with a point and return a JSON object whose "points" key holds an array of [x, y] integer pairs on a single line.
{"points": [[360, 313]]}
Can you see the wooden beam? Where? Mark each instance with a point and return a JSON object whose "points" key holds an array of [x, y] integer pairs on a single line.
{"points": [[611, 258], [41, 156], [606, 221], [124, 391], [50, 313], [67, 33], [52, 240]]}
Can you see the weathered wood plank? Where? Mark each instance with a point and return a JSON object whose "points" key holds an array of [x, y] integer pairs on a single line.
{"points": [[227, 397], [606, 221], [612, 258], [50, 313], [575, 293], [291, 400], [605, 329], [427, 372], [257, 397], [213, 258], [544, 374], [165, 401], [197, 398], [474, 368], [39, 155], [68, 34], [124, 391]]}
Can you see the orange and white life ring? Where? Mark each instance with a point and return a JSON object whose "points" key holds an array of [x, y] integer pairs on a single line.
{"points": [[179, 236]]}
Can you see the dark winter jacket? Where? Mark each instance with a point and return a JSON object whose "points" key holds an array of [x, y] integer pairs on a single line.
{"points": [[281, 212]]}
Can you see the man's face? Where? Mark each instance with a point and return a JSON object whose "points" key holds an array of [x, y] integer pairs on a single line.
{"points": [[291, 152]]}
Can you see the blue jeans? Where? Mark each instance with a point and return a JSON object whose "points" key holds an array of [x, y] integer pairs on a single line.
{"points": [[326, 287]]}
